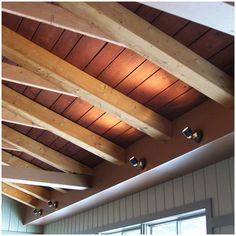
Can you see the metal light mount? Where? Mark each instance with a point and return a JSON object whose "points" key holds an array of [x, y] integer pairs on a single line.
{"points": [[196, 135], [52, 204], [137, 163], [37, 212]]}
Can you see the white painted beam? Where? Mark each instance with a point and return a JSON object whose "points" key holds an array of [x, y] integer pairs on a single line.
{"points": [[45, 178], [216, 15]]}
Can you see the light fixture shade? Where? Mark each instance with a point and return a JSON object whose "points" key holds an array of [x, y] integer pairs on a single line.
{"points": [[133, 161], [187, 132], [35, 211]]}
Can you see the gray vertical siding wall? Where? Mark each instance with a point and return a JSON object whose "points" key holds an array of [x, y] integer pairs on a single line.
{"points": [[215, 182], [12, 218]]}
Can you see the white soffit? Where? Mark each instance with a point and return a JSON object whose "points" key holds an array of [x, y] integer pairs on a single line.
{"points": [[216, 15]]}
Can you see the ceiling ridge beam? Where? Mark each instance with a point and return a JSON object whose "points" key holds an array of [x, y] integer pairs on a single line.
{"points": [[61, 126], [42, 152], [140, 36], [45, 178], [12, 160], [19, 196], [80, 84]]}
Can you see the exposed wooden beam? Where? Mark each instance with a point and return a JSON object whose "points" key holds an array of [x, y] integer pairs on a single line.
{"points": [[12, 117], [61, 126], [43, 152], [36, 191], [19, 196], [79, 83], [12, 160], [216, 15], [20, 75], [8, 146], [145, 39], [45, 178], [56, 16]]}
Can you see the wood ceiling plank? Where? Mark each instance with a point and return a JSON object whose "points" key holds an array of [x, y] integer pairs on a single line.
{"points": [[121, 67], [224, 57], [62, 127], [19, 196], [62, 103], [65, 43], [183, 103], [169, 24], [137, 77], [169, 94], [35, 191], [190, 33], [211, 43], [108, 54], [11, 21], [43, 152], [147, 13], [84, 51], [53, 34], [27, 28], [154, 85], [166, 52], [45, 178], [100, 95]]}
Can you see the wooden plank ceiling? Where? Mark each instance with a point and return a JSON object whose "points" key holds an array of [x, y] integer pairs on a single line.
{"points": [[120, 68]]}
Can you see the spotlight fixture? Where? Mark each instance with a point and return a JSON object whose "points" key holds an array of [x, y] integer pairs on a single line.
{"points": [[196, 135], [52, 204], [137, 163], [37, 212]]}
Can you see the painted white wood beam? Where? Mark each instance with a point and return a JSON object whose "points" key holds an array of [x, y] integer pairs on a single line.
{"points": [[45, 178]]}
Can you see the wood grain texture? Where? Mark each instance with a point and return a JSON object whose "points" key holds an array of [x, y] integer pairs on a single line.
{"points": [[62, 127], [36, 191], [19, 196], [90, 89], [55, 16], [42, 152], [192, 69]]}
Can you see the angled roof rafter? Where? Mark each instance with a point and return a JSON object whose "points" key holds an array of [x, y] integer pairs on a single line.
{"points": [[42, 152], [19, 196], [158, 47], [75, 81], [57, 124]]}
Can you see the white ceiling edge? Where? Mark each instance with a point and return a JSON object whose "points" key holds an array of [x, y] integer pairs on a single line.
{"points": [[216, 15], [221, 148]]}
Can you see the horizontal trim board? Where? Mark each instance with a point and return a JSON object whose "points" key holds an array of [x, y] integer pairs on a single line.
{"points": [[155, 216]]}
